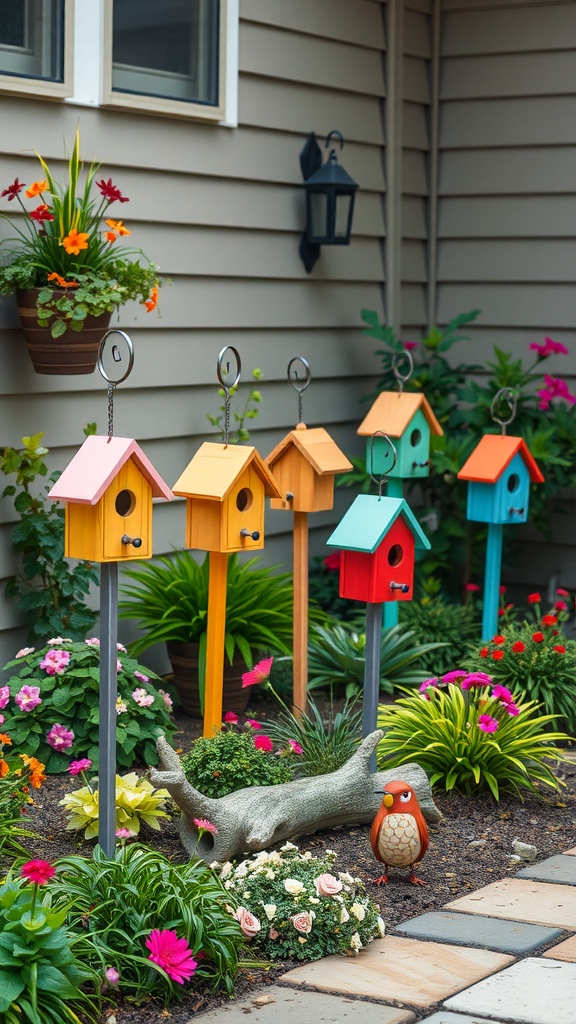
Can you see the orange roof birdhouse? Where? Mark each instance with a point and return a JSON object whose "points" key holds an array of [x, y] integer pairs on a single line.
{"points": [[407, 418], [108, 489], [304, 465], [499, 473], [225, 489]]}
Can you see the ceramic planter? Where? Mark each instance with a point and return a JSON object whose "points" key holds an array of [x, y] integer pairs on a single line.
{"points": [[184, 660], [74, 352]]}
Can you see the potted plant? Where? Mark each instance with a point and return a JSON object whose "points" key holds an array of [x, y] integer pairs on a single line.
{"points": [[168, 599], [66, 268]]}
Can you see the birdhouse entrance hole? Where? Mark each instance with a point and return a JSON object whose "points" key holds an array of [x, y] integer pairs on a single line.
{"points": [[415, 437], [244, 499], [395, 555], [513, 482], [125, 502]]}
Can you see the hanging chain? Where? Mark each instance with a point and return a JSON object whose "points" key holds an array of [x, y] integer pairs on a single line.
{"points": [[402, 378], [111, 384], [228, 388], [299, 385], [110, 394], [380, 481]]}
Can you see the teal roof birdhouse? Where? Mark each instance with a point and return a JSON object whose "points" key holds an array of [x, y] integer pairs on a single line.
{"points": [[407, 418], [377, 538], [499, 473]]}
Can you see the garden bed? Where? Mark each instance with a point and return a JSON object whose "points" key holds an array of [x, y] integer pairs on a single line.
{"points": [[469, 848]]}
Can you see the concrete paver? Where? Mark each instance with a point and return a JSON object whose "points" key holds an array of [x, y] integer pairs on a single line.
{"points": [[521, 899], [277, 1005], [564, 950], [570, 853], [532, 991], [477, 930], [561, 869], [401, 970], [446, 1017]]}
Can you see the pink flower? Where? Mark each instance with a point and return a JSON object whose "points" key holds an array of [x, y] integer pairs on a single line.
{"points": [[555, 387], [143, 699], [562, 593], [76, 767], [141, 677], [410, 345], [112, 976], [487, 723], [205, 825], [249, 924], [25, 651], [512, 709], [28, 698], [263, 743], [327, 885], [37, 871], [5, 696], [472, 588], [502, 693], [259, 673], [172, 954], [454, 676], [273, 934], [61, 640], [124, 833], [427, 683], [549, 348], [253, 724], [303, 921], [295, 747], [59, 737], [231, 718], [93, 642], [55, 662], [560, 606], [167, 699], [475, 679]]}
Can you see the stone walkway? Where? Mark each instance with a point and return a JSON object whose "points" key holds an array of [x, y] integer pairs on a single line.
{"points": [[505, 954]]}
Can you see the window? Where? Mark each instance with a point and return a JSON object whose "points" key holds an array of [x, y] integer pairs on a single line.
{"points": [[33, 37], [167, 56]]}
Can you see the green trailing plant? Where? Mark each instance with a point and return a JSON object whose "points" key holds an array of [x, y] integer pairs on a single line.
{"points": [[118, 903], [234, 758], [470, 734], [50, 591], [41, 977], [433, 617], [337, 658], [292, 905], [249, 411], [319, 745], [137, 802], [53, 705]]}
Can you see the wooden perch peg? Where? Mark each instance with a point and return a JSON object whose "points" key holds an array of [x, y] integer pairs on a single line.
{"points": [[258, 817]]}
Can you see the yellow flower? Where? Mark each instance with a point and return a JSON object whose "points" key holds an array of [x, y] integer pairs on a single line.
{"points": [[75, 241], [36, 189]]}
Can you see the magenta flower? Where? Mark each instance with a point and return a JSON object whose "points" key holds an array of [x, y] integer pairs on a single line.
{"points": [[487, 723], [259, 673], [172, 954], [502, 693], [59, 737], [124, 833], [476, 679], [253, 724], [554, 387], [409, 345], [427, 683], [77, 767], [231, 718], [112, 976], [295, 747], [37, 871], [454, 676], [472, 588], [55, 662], [205, 825], [549, 348], [4, 696], [28, 698], [263, 743]]}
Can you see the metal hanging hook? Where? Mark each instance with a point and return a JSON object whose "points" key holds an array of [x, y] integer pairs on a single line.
{"points": [[402, 378], [380, 481], [111, 382], [228, 388], [504, 395], [299, 385]]}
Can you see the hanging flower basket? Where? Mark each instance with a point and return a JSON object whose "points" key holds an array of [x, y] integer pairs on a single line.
{"points": [[72, 352]]}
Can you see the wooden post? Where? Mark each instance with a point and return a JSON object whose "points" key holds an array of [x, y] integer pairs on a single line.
{"points": [[300, 627], [107, 707], [215, 636], [372, 673], [390, 616], [492, 580]]}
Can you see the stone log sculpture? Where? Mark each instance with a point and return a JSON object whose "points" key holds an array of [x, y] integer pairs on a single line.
{"points": [[256, 818]]}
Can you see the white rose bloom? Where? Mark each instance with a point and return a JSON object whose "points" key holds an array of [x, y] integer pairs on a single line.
{"points": [[275, 858], [307, 855], [288, 846], [313, 899], [345, 876], [344, 916], [381, 927], [227, 868], [293, 886], [355, 942], [269, 910], [358, 910], [269, 873]]}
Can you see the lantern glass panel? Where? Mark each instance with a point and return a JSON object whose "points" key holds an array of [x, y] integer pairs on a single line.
{"points": [[343, 203], [318, 212]]}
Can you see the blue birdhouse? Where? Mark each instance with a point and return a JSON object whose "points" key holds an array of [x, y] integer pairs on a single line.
{"points": [[499, 473], [406, 418]]}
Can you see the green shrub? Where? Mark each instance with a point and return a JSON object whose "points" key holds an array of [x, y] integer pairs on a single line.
{"points": [[318, 745], [468, 734], [229, 760]]}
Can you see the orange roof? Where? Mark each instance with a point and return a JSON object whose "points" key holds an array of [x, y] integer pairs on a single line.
{"points": [[491, 456], [96, 464], [215, 468], [316, 446], [392, 412]]}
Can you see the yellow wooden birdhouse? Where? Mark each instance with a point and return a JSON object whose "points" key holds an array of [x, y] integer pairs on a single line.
{"points": [[225, 488], [304, 466], [108, 489]]}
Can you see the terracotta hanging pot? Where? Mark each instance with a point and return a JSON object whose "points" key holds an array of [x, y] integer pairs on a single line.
{"points": [[72, 352], [184, 660]]}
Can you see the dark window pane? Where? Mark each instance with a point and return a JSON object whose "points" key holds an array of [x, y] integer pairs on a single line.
{"points": [[32, 39]]}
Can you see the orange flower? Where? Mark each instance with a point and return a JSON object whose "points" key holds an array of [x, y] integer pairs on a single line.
{"points": [[111, 236], [4, 738], [152, 302], [118, 226], [36, 189], [61, 282], [4, 769], [75, 241]]}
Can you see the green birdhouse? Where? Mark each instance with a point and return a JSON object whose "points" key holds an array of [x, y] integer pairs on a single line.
{"points": [[406, 418]]}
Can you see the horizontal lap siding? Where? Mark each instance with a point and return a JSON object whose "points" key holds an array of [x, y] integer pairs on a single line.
{"points": [[222, 211], [415, 155], [507, 204]]}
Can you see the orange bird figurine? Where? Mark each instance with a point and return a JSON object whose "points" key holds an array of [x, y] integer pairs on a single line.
{"points": [[399, 834]]}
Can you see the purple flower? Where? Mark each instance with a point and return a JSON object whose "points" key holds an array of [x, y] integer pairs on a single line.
{"points": [[28, 698], [4, 696], [59, 737], [476, 679], [487, 723], [454, 676]]}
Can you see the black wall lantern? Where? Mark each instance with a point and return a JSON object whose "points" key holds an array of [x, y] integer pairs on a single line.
{"points": [[330, 195]]}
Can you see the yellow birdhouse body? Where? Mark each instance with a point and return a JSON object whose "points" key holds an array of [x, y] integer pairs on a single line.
{"points": [[108, 489], [304, 465], [225, 490]]}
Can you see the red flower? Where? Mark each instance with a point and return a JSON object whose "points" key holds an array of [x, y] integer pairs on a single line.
{"points": [[518, 647], [332, 562], [560, 606], [37, 871], [263, 743], [42, 212], [497, 655], [499, 639], [534, 598], [110, 192], [501, 611], [549, 620], [538, 637], [560, 592], [559, 648], [259, 673], [13, 190], [484, 652], [472, 588], [502, 590]]}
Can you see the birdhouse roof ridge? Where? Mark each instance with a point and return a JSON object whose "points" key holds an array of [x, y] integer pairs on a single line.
{"points": [[392, 411], [95, 465], [316, 446], [368, 520], [213, 470], [491, 456]]}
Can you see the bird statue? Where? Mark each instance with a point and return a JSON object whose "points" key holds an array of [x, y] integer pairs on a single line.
{"points": [[399, 834]]}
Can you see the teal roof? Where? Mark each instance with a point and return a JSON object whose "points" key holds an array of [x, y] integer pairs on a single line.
{"points": [[368, 520]]}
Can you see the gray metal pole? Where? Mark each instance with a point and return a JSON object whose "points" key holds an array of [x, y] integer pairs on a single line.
{"points": [[108, 692], [372, 673]]}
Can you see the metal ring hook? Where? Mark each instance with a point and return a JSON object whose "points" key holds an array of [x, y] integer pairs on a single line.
{"points": [[402, 378], [116, 356], [383, 479], [227, 388], [299, 386], [329, 136], [504, 395]]}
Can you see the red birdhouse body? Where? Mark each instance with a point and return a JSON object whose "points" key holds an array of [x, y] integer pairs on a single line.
{"points": [[367, 577], [399, 833]]}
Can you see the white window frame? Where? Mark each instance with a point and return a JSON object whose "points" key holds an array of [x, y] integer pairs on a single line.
{"points": [[23, 84]]}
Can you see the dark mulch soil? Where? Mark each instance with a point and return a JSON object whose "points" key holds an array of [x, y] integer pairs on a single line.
{"points": [[469, 848]]}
